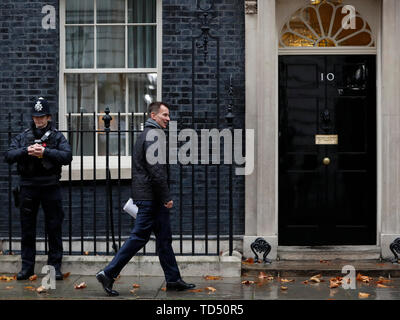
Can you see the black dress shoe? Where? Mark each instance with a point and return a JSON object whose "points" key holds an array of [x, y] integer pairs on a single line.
{"points": [[59, 275], [179, 285], [25, 274], [107, 283]]}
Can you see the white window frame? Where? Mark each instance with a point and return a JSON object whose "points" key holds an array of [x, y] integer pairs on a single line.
{"points": [[125, 164]]}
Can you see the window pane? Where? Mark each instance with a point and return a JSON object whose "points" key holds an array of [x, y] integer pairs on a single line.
{"points": [[111, 92], [79, 47], [142, 47], [84, 140], [113, 142], [142, 91], [80, 93], [141, 11], [110, 47], [79, 11], [110, 11], [135, 128]]}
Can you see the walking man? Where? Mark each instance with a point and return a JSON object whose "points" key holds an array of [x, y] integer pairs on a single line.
{"points": [[150, 193], [40, 151]]}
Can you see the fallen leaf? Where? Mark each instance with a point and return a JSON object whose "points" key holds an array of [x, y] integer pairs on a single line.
{"points": [[379, 285], [283, 288], [213, 277], [315, 279], [41, 289], [7, 279], [249, 261], [211, 289], [305, 282], [8, 288], [362, 278], [133, 291], [135, 285], [30, 288], [262, 275], [164, 289], [247, 282], [287, 280], [66, 275], [33, 278], [80, 286], [195, 290], [363, 295], [334, 285], [86, 253], [323, 261], [383, 280]]}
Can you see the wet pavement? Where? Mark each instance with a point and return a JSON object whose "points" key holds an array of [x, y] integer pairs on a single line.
{"points": [[153, 288]]}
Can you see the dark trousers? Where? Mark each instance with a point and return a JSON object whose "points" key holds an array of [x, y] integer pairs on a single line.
{"points": [[151, 217], [50, 199]]}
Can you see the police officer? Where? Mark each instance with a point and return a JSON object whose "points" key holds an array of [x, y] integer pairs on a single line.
{"points": [[40, 151]]}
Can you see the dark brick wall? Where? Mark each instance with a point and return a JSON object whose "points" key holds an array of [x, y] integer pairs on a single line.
{"points": [[29, 61], [180, 26], [29, 68]]}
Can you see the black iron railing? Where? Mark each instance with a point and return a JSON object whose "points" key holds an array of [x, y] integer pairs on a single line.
{"points": [[94, 218]]}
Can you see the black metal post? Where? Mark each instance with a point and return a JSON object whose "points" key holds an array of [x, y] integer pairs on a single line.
{"points": [[9, 192], [94, 187], [70, 189], [81, 176], [229, 120], [107, 119]]}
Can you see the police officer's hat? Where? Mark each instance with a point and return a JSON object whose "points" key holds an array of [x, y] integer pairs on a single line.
{"points": [[40, 108]]}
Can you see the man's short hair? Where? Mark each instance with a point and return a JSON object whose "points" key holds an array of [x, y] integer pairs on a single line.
{"points": [[155, 107]]}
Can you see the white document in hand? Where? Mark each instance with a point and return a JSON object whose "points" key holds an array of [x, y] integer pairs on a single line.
{"points": [[131, 208]]}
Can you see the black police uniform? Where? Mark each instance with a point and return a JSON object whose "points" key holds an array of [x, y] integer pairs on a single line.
{"points": [[39, 185]]}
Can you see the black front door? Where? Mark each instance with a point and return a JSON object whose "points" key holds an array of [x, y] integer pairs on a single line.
{"points": [[327, 150]]}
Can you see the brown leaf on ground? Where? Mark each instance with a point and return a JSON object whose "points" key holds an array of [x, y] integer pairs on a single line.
{"points": [[262, 275], [333, 284], [163, 289], [9, 288], [135, 285], [7, 279], [211, 289], [362, 278], [323, 261], [213, 277], [315, 279], [379, 285], [363, 295], [270, 278], [284, 288], [305, 282], [30, 288], [41, 289], [66, 275], [33, 278], [248, 261], [287, 280], [383, 280], [247, 282], [195, 290], [82, 285], [133, 291]]}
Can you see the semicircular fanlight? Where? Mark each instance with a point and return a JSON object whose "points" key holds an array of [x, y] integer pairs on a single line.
{"points": [[324, 24]]}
